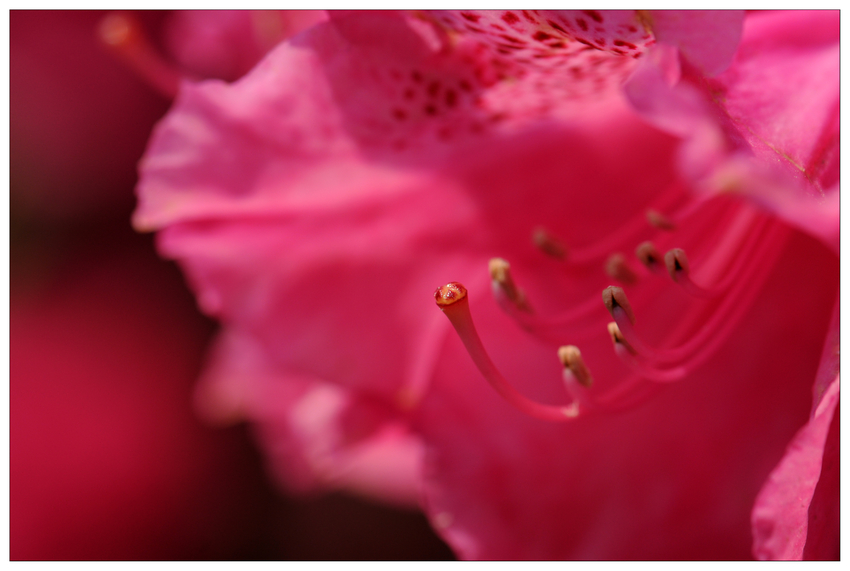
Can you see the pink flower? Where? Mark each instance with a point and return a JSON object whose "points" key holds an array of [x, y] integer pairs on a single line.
{"points": [[314, 202]]}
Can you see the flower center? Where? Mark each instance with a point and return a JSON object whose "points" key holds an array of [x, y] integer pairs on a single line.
{"points": [[735, 248]]}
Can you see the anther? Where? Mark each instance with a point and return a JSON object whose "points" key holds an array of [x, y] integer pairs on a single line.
{"points": [[659, 221], [649, 256], [617, 268], [500, 273], [615, 298], [548, 244], [449, 294], [570, 358], [679, 269], [677, 263]]}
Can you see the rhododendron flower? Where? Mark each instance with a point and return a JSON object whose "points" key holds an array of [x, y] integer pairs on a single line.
{"points": [[316, 201]]}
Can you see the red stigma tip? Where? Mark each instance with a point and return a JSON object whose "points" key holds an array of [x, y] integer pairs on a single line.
{"points": [[449, 294]]}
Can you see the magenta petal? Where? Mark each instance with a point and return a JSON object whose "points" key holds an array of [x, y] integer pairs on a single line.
{"points": [[781, 513], [822, 538], [706, 38], [767, 127], [318, 435], [795, 515], [316, 203]]}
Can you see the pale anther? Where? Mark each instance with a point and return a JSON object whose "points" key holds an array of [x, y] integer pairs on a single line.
{"points": [[570, 357], [500, 273]]}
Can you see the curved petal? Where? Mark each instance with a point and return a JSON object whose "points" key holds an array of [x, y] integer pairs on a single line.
{"points": [[781, 516], [318, 435], [796, 512], [767, 127]]}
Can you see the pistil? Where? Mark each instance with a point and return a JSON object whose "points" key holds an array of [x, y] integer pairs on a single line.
{"points": [[453, 301]]}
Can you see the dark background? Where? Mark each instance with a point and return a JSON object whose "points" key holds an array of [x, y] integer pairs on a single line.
{"points": [[107, 458]]}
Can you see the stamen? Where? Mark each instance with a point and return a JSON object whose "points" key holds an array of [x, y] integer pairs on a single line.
{"points": [[702, 335], [570, 357], [512, 300], [504, 285], [122, 33], [630, 230], [660, 221], [453, 301], [649, 256], [679, 269], [549, 244], [621, 310], [615, 300], [577, 377], [617, 268]]}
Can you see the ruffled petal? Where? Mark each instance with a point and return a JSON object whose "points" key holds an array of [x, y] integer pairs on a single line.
{"points": [[767, 127], [318, 436]]}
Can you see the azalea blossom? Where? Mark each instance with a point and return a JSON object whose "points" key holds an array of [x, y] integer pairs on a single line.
{"points": [[535, 160]]}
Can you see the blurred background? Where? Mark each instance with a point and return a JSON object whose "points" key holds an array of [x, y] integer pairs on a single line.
{"points": [[107, 458]]}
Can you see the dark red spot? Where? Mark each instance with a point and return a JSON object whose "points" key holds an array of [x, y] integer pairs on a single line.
{"points": [[409, 93], [417, 77], [618, 52], [632, 29], [510, 18], [444, 133], [451, 98], [627, 44], [596, 16], [556, 26], [581, 24], [556, 45], [433, 88], [395, 74], [600, 41], [540, 36], [430, 109], [543, 55], [399, 114], [528, 17], [509, 46], [511, 39], [471, 17], [585, 42], [465, 85], [498, 27]]}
